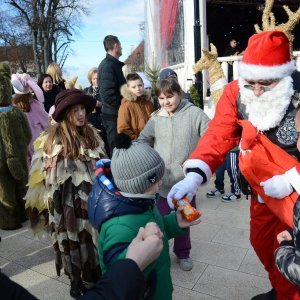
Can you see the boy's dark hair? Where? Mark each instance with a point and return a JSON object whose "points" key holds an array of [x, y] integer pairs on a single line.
{"points": [[168, 87], [109, 42], [133, 76], [41, 79]]}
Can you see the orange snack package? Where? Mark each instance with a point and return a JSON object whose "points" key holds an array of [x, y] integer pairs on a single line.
{"points": [[189, 212]]}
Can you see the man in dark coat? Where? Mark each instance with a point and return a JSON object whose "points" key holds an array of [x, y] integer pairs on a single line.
{"points": [[111, 78]]}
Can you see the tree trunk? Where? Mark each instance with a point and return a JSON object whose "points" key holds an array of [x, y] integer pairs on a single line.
{"points": [[36, 51]]}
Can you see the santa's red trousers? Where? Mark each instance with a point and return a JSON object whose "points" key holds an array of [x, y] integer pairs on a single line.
{"points": [[264, 227]]}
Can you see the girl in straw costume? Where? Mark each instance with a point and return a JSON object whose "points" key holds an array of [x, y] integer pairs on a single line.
{"points": [[61, 178]]}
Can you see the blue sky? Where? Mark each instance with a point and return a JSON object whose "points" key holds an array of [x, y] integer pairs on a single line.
{"points": [[117, 17]]}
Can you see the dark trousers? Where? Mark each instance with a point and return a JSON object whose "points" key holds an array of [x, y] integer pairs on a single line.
{"points": [[182, 243], [110, 125], [231, 164]]}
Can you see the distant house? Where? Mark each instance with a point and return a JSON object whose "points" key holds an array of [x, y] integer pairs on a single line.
{"points": [[135, 61], [21, 58]]}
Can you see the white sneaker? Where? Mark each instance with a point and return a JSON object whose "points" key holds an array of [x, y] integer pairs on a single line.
{"points": [[214, 193], [231, 197], [185, 264]]}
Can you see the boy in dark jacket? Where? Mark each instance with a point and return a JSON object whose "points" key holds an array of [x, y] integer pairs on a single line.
{"points": [[137, 170]]}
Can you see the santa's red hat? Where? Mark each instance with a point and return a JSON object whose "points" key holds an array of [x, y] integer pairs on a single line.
{"points": [[267, 56]]}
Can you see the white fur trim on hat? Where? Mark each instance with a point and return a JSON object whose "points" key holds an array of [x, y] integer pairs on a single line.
{"points": [[256, 72]]}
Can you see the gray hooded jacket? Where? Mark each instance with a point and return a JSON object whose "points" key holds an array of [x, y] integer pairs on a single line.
{"points": [[174, 138]]}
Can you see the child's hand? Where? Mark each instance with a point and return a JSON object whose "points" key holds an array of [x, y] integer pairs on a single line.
{"points": [[284, 236], [182, 222], [152, 228]]}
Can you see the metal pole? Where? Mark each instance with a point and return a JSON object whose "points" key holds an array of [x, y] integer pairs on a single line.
{"points": [[203, 37], [197, 43]]}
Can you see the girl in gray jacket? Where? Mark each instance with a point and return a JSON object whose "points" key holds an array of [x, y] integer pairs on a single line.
{"points": [[174, 131]]}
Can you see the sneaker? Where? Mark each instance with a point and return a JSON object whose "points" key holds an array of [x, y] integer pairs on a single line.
{"points": [[231, 197], [214, 193], [185, 264]]}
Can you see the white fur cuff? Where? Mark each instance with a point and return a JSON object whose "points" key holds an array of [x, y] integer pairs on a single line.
{"points": [[197, 163], [294, 178]]}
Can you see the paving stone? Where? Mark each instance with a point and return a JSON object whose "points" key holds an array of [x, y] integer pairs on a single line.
{"points": [[33, 254], [242, 206], [11, 233], [204, 231], [224, 218], [233, 236], [217, 254], [252, 265], [186, 279], [3, 262], [229, 284], [13, 243], [180, 293], [203, 202], [41, 286], [40, 258]]}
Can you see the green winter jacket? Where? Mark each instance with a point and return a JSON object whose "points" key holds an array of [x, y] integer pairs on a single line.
{"points": [[123, 229]]}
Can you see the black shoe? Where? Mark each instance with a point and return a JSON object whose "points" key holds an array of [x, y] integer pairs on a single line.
{"points": [[271, 295], [214, 193], [78, 290], [74, 292]]}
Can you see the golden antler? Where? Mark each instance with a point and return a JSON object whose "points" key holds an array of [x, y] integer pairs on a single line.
{"points": [[269, 22]]}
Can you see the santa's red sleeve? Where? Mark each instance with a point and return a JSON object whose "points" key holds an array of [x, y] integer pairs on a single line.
{"points": [[222, 135]]}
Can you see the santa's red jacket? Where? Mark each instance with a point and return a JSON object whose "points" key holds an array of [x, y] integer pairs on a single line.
{"points": [[259, 159]]}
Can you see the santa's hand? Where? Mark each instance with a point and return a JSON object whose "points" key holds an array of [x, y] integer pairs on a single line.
{"points": [[189, 185], [277, 187]]}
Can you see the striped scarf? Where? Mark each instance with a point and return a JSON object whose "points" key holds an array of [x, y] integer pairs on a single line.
{"points": [[103, 174]]}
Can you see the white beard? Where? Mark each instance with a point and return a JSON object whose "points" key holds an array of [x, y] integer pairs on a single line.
{"points": [[266, 111]]}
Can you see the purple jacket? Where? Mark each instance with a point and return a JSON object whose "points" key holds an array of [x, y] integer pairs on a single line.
{"points": [[38, 120]]}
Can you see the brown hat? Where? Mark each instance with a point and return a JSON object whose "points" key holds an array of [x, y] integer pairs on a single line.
{"points": [[70, 97]]}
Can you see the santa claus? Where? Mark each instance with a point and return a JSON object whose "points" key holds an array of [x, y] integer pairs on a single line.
{"points": [[263, 98]]}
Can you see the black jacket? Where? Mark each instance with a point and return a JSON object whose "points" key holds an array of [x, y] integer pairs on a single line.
{"points": [[50, 98], [10, 290], [111, 79], [123, 281]]}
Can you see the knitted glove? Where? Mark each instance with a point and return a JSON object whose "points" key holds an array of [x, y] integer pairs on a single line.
{"points": [[188, 186], [16, 168], [277, 187]]}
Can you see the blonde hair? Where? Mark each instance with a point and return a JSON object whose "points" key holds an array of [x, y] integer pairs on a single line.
{"points": [[71, 137], [90, 73], [55, 71]]}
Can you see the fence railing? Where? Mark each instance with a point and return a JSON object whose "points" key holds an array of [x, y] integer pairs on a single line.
{"points": [[186, 80]]}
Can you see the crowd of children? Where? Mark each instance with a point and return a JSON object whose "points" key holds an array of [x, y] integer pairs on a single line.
{"points": [[62, 158]]}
